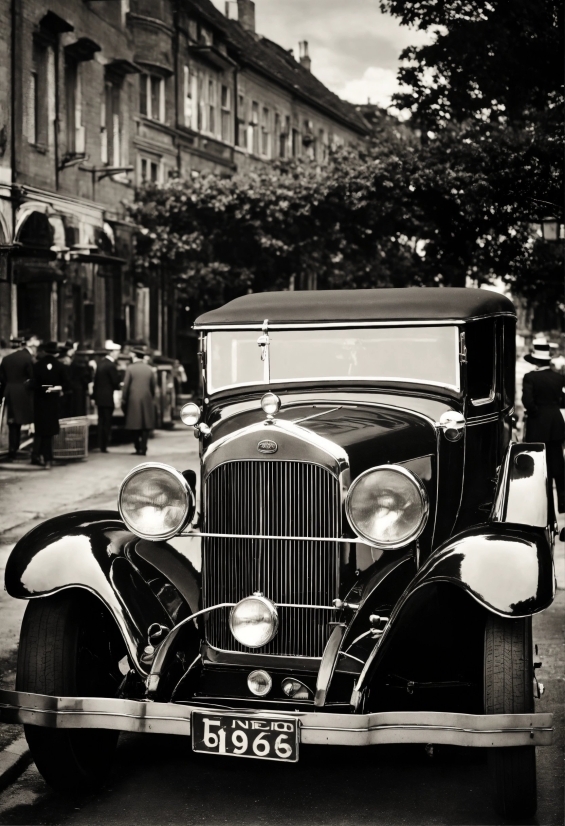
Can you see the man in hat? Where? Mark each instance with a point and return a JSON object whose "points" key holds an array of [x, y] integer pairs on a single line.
{"points": [[16, 374], [542, 396], [50, 381], [137, 401], [106, 380]]}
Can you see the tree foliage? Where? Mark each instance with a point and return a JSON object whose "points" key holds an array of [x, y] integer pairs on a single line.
{"points": [[497, 60]]}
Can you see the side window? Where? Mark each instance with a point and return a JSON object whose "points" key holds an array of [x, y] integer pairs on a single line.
{"points": [[508, 366], [481, 353]]}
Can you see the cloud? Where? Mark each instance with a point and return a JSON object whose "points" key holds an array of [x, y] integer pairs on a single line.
{"points": [[354, 47], [377, 85]]}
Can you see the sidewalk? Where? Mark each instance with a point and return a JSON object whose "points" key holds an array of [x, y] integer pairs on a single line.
{"points": [[29, 493]]}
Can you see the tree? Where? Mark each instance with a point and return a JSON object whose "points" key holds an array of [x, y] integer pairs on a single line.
{"points": [[497, 60], [488, 92]]}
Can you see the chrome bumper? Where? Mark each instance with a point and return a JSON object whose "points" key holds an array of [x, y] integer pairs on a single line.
{"points": [[321, 728]]}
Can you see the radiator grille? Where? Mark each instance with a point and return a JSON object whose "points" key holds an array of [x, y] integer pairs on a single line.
{"points": [[278, 498]]}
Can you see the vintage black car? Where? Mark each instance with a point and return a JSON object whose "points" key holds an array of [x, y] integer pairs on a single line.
{"points": [[358, 563]]}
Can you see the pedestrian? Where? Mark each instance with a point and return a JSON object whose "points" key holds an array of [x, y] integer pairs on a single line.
{"points": [[65, 400], [50, 382], [542, 397], [81, 375], [106, 380], [16, 376], [138, 401]]}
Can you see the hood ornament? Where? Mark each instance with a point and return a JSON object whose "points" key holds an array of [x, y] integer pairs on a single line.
{"points": [[270, 404], [264, 343]]}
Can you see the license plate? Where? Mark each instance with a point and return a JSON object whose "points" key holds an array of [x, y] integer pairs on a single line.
{"points": [[239, 735]]}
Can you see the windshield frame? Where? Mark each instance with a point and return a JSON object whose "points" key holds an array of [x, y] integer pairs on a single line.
{"points": [[357, 380]]}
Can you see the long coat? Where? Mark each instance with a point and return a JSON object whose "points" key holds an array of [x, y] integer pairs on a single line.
{"points": [[106, 380], [16, 374], [46, 408], [542, 395], [80, 375], [137, 397]]}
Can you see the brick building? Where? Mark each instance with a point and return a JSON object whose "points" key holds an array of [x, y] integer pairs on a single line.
{"points": [[99, 96]]}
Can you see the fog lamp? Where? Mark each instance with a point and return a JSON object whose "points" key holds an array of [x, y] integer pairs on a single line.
{"points": [[387, 506], [259, 683], [155, 501], [190, 414], [270, 404], [296, 690], [254, 621]]}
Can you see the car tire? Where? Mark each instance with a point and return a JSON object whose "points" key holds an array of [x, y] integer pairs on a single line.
{"points": [[65, 650], [508, 689]]}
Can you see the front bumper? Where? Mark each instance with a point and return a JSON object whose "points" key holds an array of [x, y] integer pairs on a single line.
{"points": [[321, 728]]}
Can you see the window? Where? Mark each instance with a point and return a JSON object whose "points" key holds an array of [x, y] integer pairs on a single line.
{"points": [[226, 113], [41, 90], [322, 146], [265, 136], [295, 143], [308, 139], [152, 96], [205, 36], [241, 125], [480, 343], [150, 171], [188, 109], [255, 127], [73, 95], [283, 138], [110, 124], [211, 106], [424, 355], [202, 111], [277, 133]]}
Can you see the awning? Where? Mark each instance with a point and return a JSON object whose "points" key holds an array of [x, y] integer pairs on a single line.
{"points": [[97, 258], [82, 49]]}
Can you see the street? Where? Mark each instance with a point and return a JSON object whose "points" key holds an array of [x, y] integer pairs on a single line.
{"points": [[156, 779]]}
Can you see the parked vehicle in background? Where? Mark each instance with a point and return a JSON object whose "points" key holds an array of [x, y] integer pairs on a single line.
{"points": [[358, 563]]}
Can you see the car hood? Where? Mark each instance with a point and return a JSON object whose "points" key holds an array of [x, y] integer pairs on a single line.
{"points": [[370, 433]]}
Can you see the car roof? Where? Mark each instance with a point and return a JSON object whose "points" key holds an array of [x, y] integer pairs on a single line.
{"points": [[392, 304]]}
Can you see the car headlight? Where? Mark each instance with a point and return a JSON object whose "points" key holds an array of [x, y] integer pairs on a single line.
{"points": [[156, 501], [387, 506], [254, 621]]}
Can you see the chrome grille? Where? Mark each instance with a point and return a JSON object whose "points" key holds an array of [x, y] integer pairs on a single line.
{"points": [[283, 499]]}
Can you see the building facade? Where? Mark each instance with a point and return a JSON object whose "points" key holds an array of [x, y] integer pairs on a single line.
{"points": [[98, 97]]}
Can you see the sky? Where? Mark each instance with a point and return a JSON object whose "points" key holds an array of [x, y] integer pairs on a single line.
{"points": [[353, 46]]}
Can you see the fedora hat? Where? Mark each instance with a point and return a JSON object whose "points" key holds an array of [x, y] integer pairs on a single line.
{"points": [[540, 355], [51, 348]]}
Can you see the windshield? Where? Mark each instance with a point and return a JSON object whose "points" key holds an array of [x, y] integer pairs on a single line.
{"points": [[427, 355]]}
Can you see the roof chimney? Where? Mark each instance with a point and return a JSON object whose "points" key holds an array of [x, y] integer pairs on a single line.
{"points": [[246, 14], [303, 58]]}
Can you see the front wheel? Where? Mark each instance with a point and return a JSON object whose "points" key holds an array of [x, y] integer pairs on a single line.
{"points": [[70, 647], [508, 689]]}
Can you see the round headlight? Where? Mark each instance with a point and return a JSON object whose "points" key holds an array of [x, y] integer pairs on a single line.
{"points": [[259, 683], [156, 501], [387, 506], [254, 621], [190, 414]]}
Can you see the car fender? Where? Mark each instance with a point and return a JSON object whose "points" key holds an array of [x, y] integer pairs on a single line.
{"points": [[508, 569], [521, 496], [94, 550]]}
